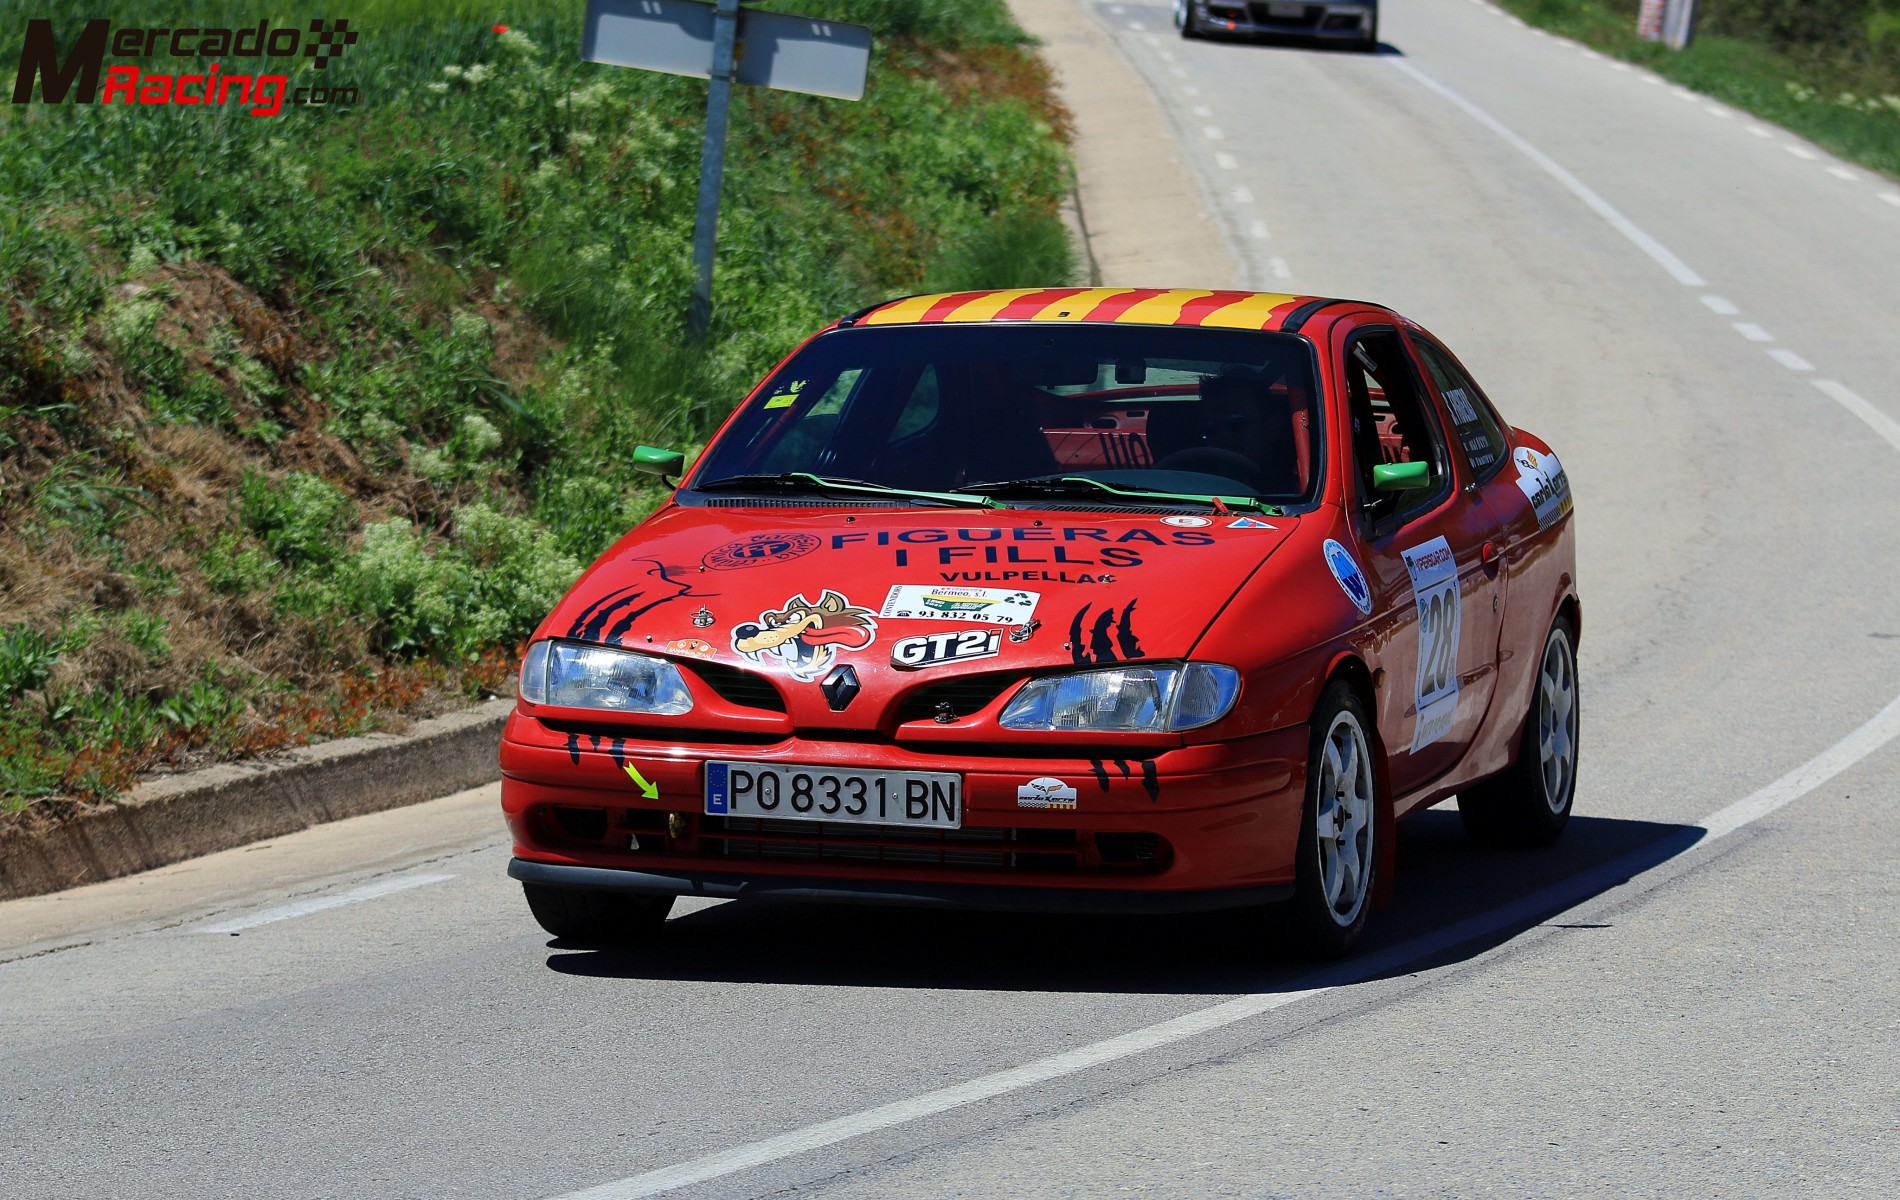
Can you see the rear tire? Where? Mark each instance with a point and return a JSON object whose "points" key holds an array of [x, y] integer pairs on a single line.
{"points": [[597, 918], [1529, 804], [1338, 852]]}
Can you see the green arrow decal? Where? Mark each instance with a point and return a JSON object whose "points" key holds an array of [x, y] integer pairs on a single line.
{"points": [[650, 791]]}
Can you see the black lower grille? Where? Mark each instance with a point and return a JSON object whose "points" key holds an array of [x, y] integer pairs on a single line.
{"points": [[747, 689], [1036, 850], [1307, 16]]}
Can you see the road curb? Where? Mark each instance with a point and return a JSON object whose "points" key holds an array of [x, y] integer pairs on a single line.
{"points": [[183, 816]]}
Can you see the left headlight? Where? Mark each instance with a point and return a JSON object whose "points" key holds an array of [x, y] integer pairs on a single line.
{"points": [[1156, 699], [581, 676]]}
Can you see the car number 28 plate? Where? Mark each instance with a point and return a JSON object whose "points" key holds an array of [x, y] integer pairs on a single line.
{"points": [[921, 798]]}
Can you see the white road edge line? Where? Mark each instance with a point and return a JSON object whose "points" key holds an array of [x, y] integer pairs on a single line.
{"points": [[316, 904], [1625, 875], [1677, 269], [1879, 422]]}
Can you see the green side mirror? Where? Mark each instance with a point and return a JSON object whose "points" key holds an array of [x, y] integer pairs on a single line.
{"points": [[1400, 477], [655, 461]]}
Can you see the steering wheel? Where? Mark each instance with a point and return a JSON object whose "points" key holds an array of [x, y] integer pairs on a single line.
{"points": [[1212, 460]]}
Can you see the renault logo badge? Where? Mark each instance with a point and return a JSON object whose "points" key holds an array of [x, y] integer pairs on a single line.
{"points": [[840, 688]]}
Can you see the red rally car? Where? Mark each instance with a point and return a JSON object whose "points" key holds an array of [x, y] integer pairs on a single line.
{"points": [[1062, 599]]}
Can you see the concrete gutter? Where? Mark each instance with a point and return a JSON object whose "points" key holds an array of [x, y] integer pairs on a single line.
{"points": [[182, 816]]}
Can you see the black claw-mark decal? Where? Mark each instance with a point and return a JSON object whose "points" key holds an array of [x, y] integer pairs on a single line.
{"points": [[1101, 772], [623, 607], [1125, 638], [1111, 638], [1123, 764], [618, 748], [1150, 782], [574, 748]]}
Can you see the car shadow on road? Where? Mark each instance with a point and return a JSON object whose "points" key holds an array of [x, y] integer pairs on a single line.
{"points": [[1452, 902]]}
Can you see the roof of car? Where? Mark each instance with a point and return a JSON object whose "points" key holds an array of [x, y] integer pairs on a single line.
{"points": [[1125, 306]]}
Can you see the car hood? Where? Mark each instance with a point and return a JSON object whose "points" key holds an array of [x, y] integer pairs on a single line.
{"points": [[906, 597]]}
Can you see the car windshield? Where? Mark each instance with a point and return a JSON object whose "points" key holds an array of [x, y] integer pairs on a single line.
{"points": [[1032, 414]]}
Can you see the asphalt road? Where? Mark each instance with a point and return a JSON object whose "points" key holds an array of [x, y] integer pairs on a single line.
{"points": [[1664, 1004]]}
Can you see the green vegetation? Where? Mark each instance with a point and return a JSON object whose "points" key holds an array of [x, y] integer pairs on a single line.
{"points": [[307, 420], [1828, 70]]}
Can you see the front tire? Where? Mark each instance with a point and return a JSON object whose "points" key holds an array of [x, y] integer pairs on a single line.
{"points": [[1184, 19], [1338, 852], [1529, 804], [596, 918]]}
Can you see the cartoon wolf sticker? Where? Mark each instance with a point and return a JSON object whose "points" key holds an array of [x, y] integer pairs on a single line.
{"points": [[806, 638]]}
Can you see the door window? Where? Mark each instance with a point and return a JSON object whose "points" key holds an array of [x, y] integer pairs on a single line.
{"points": [[1476, 429], [1390, 424]]}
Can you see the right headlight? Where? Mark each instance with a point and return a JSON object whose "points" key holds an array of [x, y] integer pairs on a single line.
{"points": [[1126, 699], [576, 675]]}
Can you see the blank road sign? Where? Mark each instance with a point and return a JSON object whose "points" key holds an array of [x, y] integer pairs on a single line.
{"points": [[792, 54], [798, 54]]}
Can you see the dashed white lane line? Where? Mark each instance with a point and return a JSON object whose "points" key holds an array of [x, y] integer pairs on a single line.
{"points": [[1203, 111], [1790, 360], [1190, 91], [1648, 245], [316, 904], [1177, 72], [1226, 162], [1243, 195], [1213, 133], [1722, 305], [1258, 231], [1761, 132], [1842, 173], [1279, 268], [1753, 333], [1800, 151], [1892, 198], [1619, 880], [1714, 111], [1136, 26]]}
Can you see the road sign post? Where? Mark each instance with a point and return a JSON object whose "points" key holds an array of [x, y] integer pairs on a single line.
{"points": [[725, 44], [712, 166]]}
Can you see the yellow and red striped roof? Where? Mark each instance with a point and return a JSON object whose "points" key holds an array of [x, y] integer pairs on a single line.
{"points": [[1127, 306]]}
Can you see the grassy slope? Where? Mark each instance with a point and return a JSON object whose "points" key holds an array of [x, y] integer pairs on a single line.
{"points": [[305, 421], [1843, 94]]}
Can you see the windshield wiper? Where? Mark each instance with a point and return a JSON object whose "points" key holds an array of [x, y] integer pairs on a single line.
{"points": [[1082, 485], [805, 481]]}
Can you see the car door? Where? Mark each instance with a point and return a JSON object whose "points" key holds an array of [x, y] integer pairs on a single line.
{"points": [[1426, 556], [1483, 451]]}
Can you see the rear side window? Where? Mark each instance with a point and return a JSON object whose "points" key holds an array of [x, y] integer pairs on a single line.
{"points": [[1478, 432]]}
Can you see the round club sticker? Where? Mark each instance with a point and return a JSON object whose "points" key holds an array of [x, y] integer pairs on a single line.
{"points": [[1351, 581], [1187, 522]]}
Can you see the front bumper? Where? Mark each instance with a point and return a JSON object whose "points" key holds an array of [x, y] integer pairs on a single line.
{"points": [[1344, 22], [1182, 828]]}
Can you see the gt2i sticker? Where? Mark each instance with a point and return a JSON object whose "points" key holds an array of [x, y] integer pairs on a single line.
{"points": [[1542, 480], [1435, 581], [935, 649], [1045, 793], [1351, 579], [1000, 606], [806, 638], [759, 549]]}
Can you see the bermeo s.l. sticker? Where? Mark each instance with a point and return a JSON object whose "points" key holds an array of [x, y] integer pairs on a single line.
{"points": [[999, 606], [1542, 480], [1045, 793], [1434, 574], [1351, 579], [935, 649]]}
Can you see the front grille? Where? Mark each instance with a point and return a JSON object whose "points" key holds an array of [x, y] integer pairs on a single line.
{"points": [[965, 695], [1028, 850], [1308, 17], [746, 689]]}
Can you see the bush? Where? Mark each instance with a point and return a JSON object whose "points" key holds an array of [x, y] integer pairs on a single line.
{"points": [[301, 517]]}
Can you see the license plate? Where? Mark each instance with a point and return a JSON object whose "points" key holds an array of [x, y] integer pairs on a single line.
{"points": [[926, 799]]}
